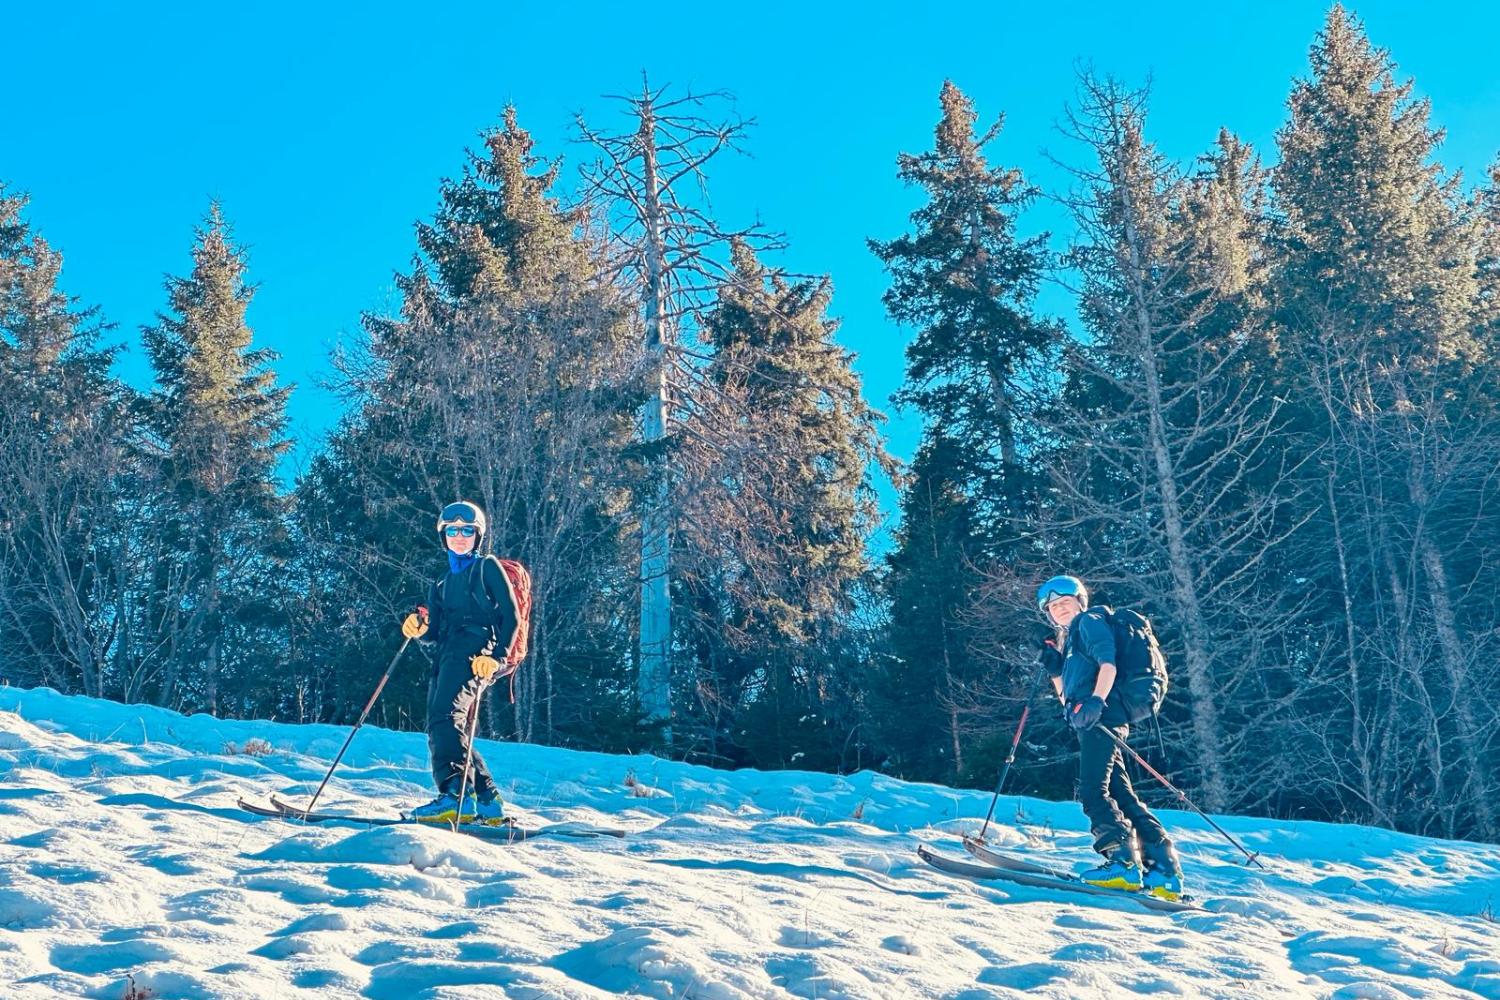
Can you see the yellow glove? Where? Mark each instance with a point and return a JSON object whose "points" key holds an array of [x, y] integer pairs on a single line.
{"points": [[415, 625], [486, 667]]}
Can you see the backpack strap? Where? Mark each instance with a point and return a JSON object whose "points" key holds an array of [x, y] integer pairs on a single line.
{"points": [[515, 606], [483, 590]]}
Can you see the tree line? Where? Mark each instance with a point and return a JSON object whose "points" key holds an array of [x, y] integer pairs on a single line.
{"points": [[1272, 427]]}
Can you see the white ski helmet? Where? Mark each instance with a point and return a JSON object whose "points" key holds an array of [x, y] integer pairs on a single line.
{"points": [[1061, 586], [463, 512]]}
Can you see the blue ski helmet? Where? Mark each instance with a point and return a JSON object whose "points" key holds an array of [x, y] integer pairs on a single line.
{"points": [[463, 512], [1061, 586]]}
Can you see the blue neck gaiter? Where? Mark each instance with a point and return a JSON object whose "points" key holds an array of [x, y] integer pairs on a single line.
{"points": [[458, 563]]}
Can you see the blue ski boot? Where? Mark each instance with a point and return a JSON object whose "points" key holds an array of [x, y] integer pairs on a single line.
{"points": [[1114, 873], [444, 809], [1163, 870], [490, 812], [1163, 884]]}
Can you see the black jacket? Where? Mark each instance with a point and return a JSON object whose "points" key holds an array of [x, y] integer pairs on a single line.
{"points": [[472, 611]]}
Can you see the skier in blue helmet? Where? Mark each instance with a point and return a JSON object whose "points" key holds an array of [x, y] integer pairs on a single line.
{"points": [[1081, 652]]}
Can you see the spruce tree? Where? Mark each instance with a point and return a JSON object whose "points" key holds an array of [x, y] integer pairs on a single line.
{"points": [[1487, 312], [1374, 253], [933, 680], [777, 507], [216, 418], [1381, 311], [966, 282], [63, 426]]}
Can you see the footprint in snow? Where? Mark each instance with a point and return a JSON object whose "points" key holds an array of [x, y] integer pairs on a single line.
{"points": [[224, 907], [368, 879], [66, 874], [294, 889], [316, 922], [388, 952], [462, 929], [1026, 977], [95, 958], [1080, 922], [493, 894]]}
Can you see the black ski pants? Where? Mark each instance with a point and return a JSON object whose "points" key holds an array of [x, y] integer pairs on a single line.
{"points": [[1115, 814], [451, 696]]}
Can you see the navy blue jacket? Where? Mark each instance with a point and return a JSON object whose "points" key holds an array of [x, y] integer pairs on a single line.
{"points": [[1090, 641]]}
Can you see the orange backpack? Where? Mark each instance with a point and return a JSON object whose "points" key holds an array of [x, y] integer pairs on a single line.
{"points": [[518, 580]]}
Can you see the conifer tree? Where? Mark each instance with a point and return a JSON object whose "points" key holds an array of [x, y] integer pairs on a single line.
{"points": [[216, 419], [966, 282], [933, 681], [1487, 309], [1381, 310], [777, 506], [63, 427], [507, 378]]}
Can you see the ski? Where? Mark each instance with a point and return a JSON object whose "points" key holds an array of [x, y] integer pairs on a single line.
{"points": [[990, 856], [505, 834], [280, 810], [987, 872], [508, 830], [999, 859]]}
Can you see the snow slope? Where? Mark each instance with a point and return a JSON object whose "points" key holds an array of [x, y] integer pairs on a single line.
{"points": [[122, 854]]}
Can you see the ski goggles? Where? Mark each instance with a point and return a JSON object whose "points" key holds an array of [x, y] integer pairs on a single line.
{"points": [[460, 511], [1059, 586], [455, 530]]}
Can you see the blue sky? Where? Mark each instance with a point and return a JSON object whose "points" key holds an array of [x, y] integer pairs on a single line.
{"points": [[324, 134]]}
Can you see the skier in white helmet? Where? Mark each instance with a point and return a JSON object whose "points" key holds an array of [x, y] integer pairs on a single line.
{"points": [[469, 615]]}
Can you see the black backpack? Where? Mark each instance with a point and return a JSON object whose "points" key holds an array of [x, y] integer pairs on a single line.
{"points": [[1142, 669]]}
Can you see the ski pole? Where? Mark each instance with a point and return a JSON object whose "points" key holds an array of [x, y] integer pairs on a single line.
{"points": [[1253, 857], [471, 729], [1011, 757], [362, 716]]}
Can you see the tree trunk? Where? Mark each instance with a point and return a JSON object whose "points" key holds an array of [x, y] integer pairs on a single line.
{"points": [[1406, 656], [1454, 663], [1358, 733], [1179, 557], [953, 729], [654, 686], [1010, 465]]}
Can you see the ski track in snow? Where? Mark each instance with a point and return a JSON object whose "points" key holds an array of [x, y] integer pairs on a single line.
{"points": [[122, 853]]}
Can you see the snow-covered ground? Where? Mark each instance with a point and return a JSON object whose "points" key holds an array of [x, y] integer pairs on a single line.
{"points": [[122, 854]]}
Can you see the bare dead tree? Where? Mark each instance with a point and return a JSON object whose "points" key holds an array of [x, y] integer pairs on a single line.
{"points": [[649, 187]]}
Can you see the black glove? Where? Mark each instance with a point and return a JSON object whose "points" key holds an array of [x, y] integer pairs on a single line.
{"points": [[1085, 715], [1048, 655]]}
